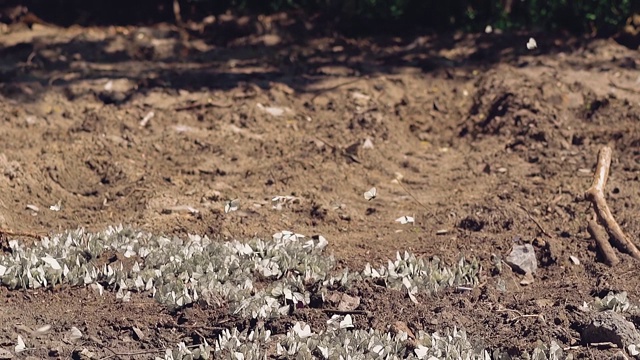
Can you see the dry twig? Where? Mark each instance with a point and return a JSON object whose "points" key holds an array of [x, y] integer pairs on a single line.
{"points": [[410, 194], [519, 315], [176, 13], [340, 150], [201, 105], [345, 312], [5, 232], [595, 194], [115, 354], [140, 352], [611, 83], [535, 221], [331, 88]]}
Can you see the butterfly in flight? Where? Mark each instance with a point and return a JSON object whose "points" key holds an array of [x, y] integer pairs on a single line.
{"points": [[371, 194], [232, 205]]}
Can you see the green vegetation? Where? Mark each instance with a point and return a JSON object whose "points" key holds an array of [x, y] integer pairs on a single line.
{"points": [[590, 16]]}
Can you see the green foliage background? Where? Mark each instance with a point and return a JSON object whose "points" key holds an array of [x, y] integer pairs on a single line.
{"points": [[588, 16]]}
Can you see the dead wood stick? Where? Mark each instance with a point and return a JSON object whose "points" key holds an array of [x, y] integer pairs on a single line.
{"points": [[201, 105], [595, 194], [601, 238], [535, 221], [4, 232], [345, 312], [623, 87], [176, 13], [342, 151]]}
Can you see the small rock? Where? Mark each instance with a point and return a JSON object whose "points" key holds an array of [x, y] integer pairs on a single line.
{"points": [[138, 334], [544, 303], [271, 39], [523, 258], [274, 110], [527, 279], [113, 97], [360, 99], [609, 326], [55, 352], [85, 354], [333, 298], [42, 330], [10, 169], [5, 354], [539, 242], [348, 303], [399, 326], [180, 209]]}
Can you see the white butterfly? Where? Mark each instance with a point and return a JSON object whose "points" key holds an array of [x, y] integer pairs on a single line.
{"points": [[56, 207], [75, 333], [347, 322], [20, 346], [231, 205], [405, 220], [324, 351], [371, 194], [302, 330], [532, 44]]}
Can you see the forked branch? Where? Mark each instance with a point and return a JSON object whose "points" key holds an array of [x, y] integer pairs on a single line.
{"points": [[595, 194]]}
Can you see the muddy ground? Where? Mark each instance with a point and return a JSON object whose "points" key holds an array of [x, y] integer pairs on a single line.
{"points": [[487, 136]]}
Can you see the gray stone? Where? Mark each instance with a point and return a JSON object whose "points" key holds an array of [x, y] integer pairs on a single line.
{"points": [[523, 258], [610, 326], [5, 354]]}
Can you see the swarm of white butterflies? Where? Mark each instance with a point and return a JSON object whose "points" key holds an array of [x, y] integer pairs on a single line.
{"points": [[281, 201], [179, 271]]}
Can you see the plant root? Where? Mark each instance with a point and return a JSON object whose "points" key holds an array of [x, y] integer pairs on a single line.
{"points": [[595, 194]]}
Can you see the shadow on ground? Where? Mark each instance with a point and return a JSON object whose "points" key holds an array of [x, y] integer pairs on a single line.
{"points": [[235, 51]]}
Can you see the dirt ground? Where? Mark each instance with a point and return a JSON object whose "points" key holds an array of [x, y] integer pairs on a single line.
{"points": [[134, 125]]}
